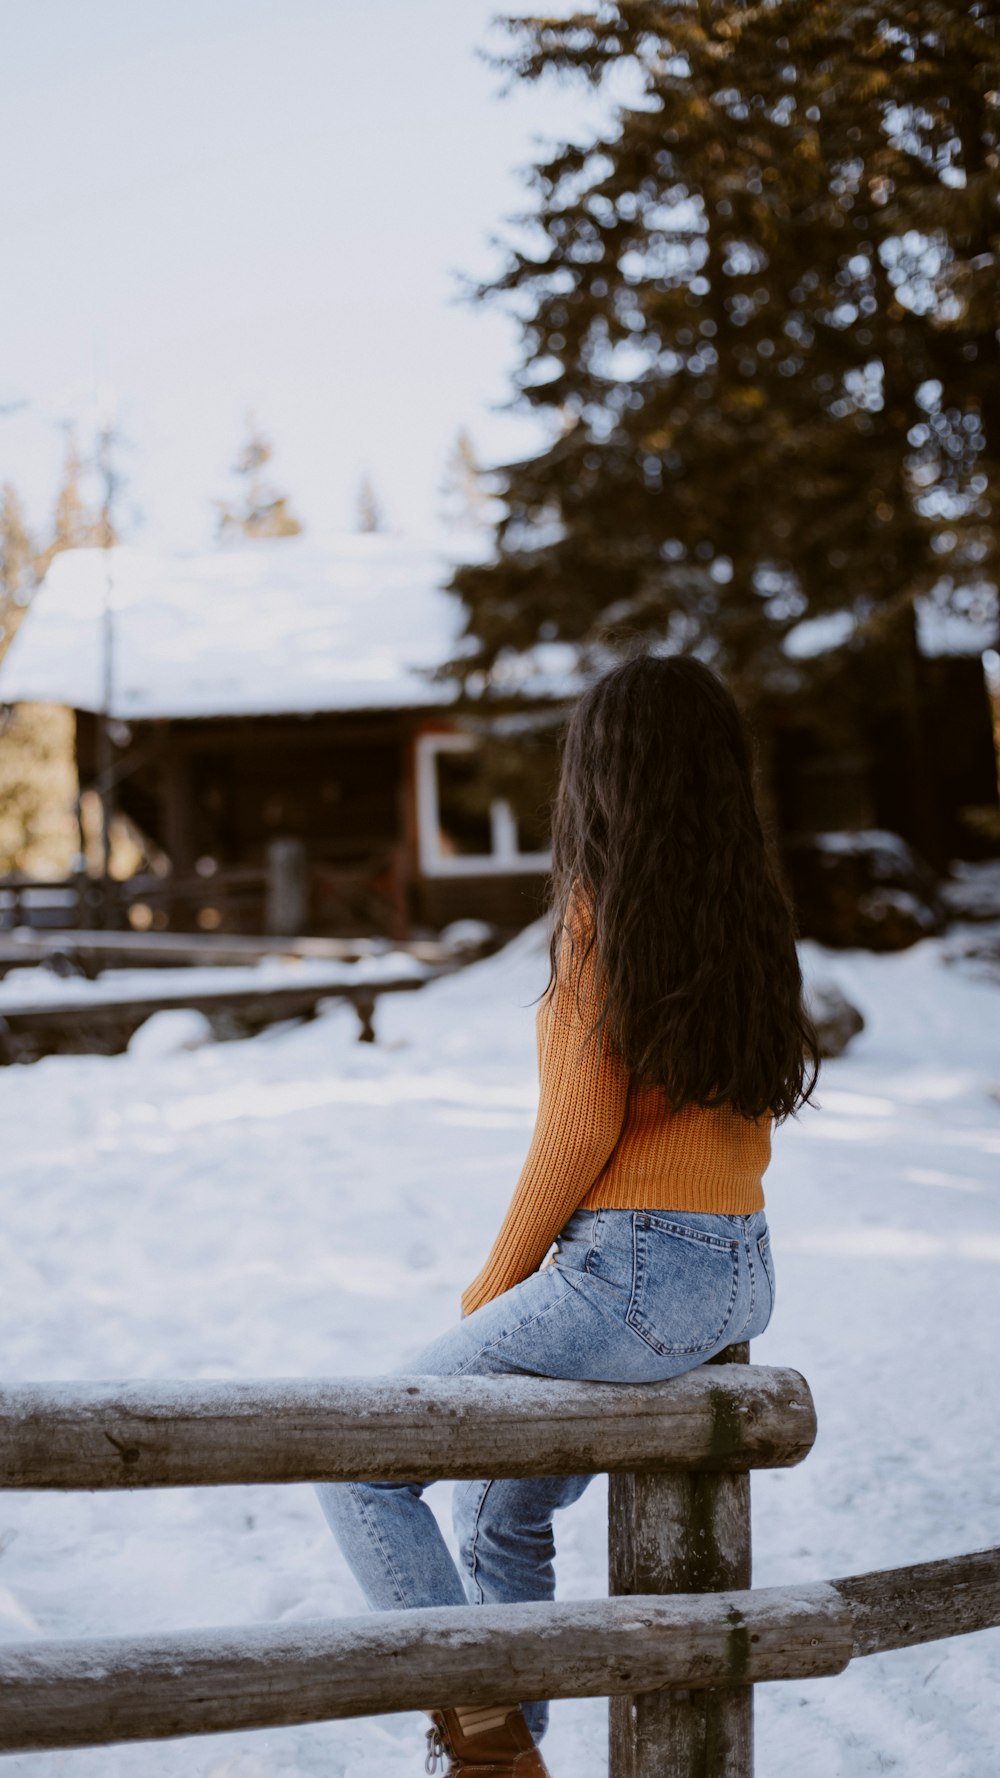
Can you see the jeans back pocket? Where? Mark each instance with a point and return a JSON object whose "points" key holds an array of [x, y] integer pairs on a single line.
{"points": [[767, 1261], [685, 1284]]}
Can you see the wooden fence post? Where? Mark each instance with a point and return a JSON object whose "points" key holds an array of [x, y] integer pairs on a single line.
{"points": [[675, 1533], [287, 910]]}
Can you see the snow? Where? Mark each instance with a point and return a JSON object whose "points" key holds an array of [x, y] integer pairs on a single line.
{"points": [[974, 890], [887, 851], [816, 635], [38, 985], [175, 1028], [467, 933], [973, 949], [284, 626], [878, 902], [277, 626], [304, 1205]]}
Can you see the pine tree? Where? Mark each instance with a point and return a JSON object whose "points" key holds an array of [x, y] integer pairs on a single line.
{"points": [[368, 513], [38, 781], [74, 525], [17, 564], [760, 321], [465, 504], [38, 789], [77, 522], [259, 511], [37, 767]]}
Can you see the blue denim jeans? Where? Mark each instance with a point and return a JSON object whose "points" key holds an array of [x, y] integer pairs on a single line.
{"points": [[632, 1296]]}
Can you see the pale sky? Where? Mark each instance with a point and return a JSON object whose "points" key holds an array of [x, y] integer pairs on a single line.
{"points": [[210, 206]]}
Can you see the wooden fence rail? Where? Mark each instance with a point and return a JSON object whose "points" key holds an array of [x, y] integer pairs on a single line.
{"points": [[113, 1689], [88, 953], [76, 1694], [115, 1016], [171, 1435], [677, 1648]]}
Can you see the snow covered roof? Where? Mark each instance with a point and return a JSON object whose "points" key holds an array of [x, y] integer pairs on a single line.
{"points": [[290, 626], [273, 627]]}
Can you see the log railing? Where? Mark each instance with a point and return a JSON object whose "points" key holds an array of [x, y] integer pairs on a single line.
{"points": [[177, 1435], [677, 1648], [40, 901], [29, 1026]]}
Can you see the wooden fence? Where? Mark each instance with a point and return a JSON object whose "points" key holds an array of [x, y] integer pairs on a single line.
{"points": [[80, 952], [286, 894], [677, 1647], [102, 1024], [40, 902]]}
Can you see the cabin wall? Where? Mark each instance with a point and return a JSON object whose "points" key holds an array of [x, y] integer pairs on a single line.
{"points": [[506, 901], [345, 798], [221, 798], [237, 804]]}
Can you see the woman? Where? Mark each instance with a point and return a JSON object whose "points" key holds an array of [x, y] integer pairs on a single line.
{"points": [[671, 1036]]}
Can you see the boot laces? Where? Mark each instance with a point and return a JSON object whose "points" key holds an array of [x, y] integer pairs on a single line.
{"points": [[438, 1749]]}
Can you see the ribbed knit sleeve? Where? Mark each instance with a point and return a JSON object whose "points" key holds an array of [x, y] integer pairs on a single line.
{"points": [[583, 1091]]}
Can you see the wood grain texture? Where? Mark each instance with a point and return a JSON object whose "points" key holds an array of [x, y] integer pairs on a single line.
{"points": [[161, 1435], [681, 1533], [901, 1607], [79, 1694]]}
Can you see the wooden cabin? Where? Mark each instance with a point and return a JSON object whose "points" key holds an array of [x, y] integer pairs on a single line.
{"points": [[279, 741]]}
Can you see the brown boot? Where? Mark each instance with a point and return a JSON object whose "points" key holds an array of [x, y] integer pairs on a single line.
{"points": [[487, 1738]]}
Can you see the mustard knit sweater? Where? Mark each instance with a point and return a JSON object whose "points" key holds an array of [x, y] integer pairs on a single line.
{"points": [[602, 1141]]}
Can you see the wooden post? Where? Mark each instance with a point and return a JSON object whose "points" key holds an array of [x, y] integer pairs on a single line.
{"points": [[682, 1533], [177, 823], [287, 887]]}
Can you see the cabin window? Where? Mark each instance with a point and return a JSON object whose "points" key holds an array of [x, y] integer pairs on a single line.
{"points": [[463, 829]]}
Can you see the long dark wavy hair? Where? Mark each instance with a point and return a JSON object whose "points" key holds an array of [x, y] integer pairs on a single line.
{"points": [[660, 858]]}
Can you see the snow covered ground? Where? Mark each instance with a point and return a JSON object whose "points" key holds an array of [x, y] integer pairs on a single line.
{"points": [[301, 1204]]}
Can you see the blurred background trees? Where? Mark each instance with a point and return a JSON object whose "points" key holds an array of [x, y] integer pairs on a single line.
{"points": [[258, 509], [759, 313], [465, 503], [758, 309], [17, 561], [368, 515], [78, 519], [38, 828]]}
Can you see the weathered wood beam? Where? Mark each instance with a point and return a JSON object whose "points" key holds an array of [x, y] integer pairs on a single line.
{"points": [[87, 1693], [901, 1607], [257, 1004], [143, 950], [162, 1435]]}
